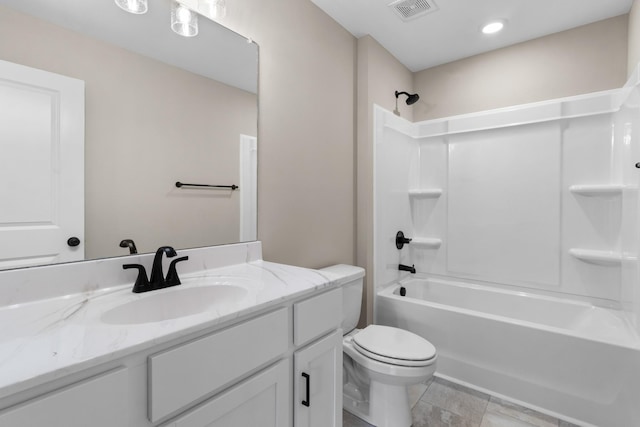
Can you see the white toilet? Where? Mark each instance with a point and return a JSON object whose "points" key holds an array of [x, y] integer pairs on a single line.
{"points": [[379, 361]]}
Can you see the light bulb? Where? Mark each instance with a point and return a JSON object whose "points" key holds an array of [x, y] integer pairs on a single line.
{"points": [[133, 6], [183, 20], [214, 9]]}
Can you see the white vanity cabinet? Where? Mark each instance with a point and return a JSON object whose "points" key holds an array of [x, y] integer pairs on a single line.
{"points": [[318, 365], [244, 372], [265, 398], [100, 401]]}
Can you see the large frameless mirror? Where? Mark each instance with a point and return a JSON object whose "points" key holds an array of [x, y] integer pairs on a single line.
{"points": [[102, 112]]}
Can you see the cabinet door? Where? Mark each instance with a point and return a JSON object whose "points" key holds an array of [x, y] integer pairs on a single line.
{"points": [[262, 400], [100, 401], [318, 383], [187, 373]]}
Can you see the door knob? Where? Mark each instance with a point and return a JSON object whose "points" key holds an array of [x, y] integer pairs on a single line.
{"points": [[73, 241]]}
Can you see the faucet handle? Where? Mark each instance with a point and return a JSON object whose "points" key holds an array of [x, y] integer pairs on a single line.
{"points": [[142, 283], [172, 276], [401, 240]]}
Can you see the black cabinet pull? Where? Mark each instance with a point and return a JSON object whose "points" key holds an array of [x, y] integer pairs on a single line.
{"points": [[307, 401]]}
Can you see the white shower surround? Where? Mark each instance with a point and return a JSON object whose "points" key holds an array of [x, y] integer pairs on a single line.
{"points": [[540, 200], [541, 196]]}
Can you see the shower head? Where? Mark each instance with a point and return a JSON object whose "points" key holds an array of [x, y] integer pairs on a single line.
{"points": [[411, 98]]}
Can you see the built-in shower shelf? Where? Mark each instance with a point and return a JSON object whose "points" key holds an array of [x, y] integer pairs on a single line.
{"points": [[426, 192], [608, 258], [426, 242], [598, 190]]}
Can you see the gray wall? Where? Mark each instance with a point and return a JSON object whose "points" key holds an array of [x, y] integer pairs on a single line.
{"points": [[306, 155], [379, 76], [586, 59], [634, 37]]}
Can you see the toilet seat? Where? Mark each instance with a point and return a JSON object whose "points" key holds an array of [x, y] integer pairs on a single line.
{"points": [[394, 370], [394, 346]]}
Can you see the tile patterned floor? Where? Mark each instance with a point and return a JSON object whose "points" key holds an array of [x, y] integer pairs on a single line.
{"points": [[441, 403]]}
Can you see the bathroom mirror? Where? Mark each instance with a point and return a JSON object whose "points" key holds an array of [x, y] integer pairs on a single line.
{"points": [[158, 108]]}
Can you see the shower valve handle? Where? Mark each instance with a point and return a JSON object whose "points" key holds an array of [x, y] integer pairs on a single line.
{"points": [[401, 240]]}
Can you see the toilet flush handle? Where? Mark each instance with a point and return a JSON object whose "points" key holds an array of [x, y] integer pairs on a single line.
{"points": [[307, 401]]}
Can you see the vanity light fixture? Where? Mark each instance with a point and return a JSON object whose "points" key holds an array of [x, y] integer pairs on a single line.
{"points": [[493, 27], [214, 9], [133, 6], [184, 21]]}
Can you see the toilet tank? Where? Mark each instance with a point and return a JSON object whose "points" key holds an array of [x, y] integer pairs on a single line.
{"points": [[351, 279]]}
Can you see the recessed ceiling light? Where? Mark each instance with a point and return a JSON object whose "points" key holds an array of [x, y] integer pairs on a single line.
{"points": [[493, 27]]}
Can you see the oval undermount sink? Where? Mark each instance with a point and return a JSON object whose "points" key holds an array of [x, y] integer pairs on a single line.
{"points": [[173, 304]]}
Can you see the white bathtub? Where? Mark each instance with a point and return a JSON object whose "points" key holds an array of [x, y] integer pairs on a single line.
{"points": [[566, 358]]}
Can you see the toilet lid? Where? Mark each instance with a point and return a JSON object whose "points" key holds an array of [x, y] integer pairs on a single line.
{"points": [[394, 343]]}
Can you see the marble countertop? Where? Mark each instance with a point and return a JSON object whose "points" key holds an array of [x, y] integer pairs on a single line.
{"points": [[43, 340]]}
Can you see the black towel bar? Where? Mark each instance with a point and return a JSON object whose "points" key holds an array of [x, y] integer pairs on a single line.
{"points": [[184, 184]]}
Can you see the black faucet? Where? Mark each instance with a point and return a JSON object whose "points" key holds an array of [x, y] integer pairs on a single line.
{"points": [[128, 243], [411, 269], [157, 280]]}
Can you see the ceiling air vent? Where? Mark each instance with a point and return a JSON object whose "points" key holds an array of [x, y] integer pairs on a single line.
{"points": [[411, 9]]}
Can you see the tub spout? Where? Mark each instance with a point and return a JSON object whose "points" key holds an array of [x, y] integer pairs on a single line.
{"points": [[411, 269]]}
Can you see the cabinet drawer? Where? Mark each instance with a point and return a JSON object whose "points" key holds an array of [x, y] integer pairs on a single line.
{"points": [[316, 316], [100, 401], [187, 373], [262, 400]]}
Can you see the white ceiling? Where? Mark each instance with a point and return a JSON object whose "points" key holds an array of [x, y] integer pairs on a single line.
{"points": [[453, 31]]}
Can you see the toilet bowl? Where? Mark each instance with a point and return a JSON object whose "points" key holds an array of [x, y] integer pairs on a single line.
{"points": [[379, 362], [375, 382]]}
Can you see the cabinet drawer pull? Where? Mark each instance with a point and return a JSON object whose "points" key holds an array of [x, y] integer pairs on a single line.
{"points": [[307, 401]]}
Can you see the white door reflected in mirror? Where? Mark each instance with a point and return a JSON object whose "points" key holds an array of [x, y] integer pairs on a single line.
{"points": [[41, 167]]}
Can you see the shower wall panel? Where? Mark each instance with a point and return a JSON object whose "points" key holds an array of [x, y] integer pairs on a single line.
{"points": [[428, 205], [504, 205], [590, 221], [396, 158], [627, 129]]}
